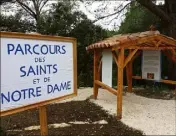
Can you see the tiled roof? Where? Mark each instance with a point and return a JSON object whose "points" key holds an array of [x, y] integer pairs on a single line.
{"points": [[138, 39]]}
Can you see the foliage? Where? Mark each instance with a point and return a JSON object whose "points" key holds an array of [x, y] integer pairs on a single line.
{"points": [[138, 19], [86, 33], [15, 24], [62, 20], [2, 133]]}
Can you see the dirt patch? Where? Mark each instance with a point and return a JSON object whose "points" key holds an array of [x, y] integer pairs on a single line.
{"points": [[155, 94], [84, 111]]}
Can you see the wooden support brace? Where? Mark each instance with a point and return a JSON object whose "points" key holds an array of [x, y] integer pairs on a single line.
{"points": [[115, 57], [120, 83], [43, 121], [158, 43], [113, 91], [136, 55], [166, 40], [128, 59], [173, 52], [170, 56]]}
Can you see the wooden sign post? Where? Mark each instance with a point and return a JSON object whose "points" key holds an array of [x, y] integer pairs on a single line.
{"points": [[36, 70], [43, 121]]}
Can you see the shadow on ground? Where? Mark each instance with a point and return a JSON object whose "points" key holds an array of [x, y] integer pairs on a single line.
{"points": [[65, 113]]}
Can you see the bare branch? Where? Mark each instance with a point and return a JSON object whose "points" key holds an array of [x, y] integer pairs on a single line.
{"points": [[112, 13], [35, 6], [44, 3], [26, 8]]}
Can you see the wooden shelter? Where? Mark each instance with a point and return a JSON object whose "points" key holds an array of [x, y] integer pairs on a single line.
{"points": [[134, 44]]}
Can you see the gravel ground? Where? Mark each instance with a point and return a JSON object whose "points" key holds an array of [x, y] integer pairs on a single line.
{"points": [[74, 118], [152, 116]]}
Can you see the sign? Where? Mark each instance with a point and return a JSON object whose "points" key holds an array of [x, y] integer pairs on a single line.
{"points": [[151, 65], [107, 67], [36, 70]]}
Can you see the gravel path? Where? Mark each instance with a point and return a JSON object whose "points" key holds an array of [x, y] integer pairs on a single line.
{"points": [[152, 116]]}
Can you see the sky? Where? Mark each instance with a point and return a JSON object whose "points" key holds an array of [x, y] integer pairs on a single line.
{"points": [[110, 23], [90, 8]]}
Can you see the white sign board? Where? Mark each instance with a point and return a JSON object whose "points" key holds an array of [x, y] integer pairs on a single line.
{"points": [[151, 65], [35, 70], [107, 67]]}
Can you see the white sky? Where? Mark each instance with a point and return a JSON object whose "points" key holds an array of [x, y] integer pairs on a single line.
{"points": [[108, 23]]}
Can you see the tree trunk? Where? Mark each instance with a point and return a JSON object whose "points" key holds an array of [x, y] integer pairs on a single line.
{"points": [[170, 30], [171, 65]]}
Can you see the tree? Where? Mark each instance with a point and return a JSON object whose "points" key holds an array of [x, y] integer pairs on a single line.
{"points": [[32, 8], [15, 24], [137, 19], [4, 1], [86, 33], [62, 20], [166, 13]]}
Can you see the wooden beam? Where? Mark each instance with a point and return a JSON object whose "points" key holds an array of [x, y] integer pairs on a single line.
{"points": [[170, 56], [173, 52], [43, 121], [115, 57], [168, 82], [99, 69], [146, 48], [136, 55], [158, 43], [175, 92], [136, 77], [162, 81], [96, 76], [113, 91], [167, 40], [129, 74], [120, 83], [128, 59]]}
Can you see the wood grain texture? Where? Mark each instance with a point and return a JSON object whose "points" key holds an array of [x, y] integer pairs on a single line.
{"points": [[130, 56], [43, 121], [115, 56], [96, 75], [120, 83], [108, 88], [129, 74]]}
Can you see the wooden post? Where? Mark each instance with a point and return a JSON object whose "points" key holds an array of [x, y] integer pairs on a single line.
{"points": [[99, 70], [129, 74], [175, 92], [43, 121], [120, 83], [96, 76]]}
